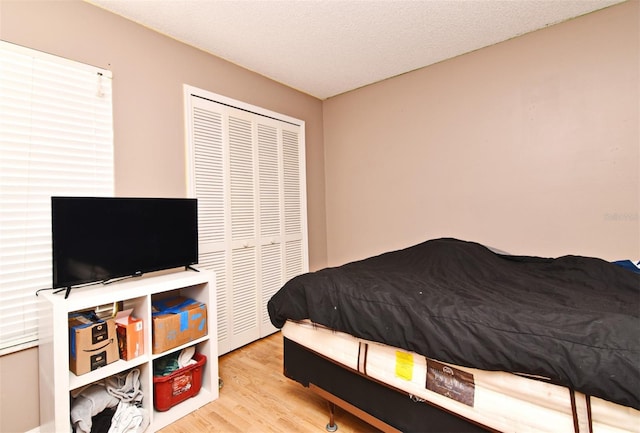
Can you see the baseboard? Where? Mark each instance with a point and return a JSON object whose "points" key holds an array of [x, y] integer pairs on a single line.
{"points": [[35, 430]]}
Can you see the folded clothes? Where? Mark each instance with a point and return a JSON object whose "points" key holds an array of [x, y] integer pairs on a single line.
{"points": [[125, 387], [166, 365], [174, 361], [129, 418], [91, 401], [109, 393]]}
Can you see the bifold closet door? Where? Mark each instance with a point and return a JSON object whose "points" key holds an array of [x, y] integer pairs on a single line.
{"points": [[244, 290], [247, 171], [208, 184]]}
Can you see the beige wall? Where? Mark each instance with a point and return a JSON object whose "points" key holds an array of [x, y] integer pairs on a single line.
{"points": [[530, 146], [149, 71]]}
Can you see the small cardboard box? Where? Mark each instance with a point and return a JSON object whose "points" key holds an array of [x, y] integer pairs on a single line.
{"points": [[92, 342], [177, 321], [130, 335]]}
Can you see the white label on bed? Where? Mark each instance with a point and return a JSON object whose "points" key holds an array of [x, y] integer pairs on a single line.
{"points": [[450, 382]]}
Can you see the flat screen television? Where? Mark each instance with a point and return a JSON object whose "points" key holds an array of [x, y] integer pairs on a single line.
{"points": [[100, 239]]}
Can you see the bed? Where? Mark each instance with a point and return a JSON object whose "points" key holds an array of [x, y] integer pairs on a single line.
{"points": [[448, 335]]}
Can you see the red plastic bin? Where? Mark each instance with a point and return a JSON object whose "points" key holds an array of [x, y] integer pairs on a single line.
{"points": [[179, 385]]}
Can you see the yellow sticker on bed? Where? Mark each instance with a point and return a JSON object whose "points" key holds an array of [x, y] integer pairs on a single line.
{"points": [[404, 365]]}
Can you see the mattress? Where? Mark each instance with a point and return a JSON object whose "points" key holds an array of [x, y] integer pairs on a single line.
{"points": [[572, 319], [498, 400]]}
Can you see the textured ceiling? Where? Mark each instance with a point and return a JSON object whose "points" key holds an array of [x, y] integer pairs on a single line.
{"points": [[328, 47]]}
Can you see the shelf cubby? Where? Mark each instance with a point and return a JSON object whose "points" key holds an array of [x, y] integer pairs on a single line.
{"points": [[57, 382]]}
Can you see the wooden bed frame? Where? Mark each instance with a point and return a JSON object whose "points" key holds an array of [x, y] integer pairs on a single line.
{"points": [[386, 408]]}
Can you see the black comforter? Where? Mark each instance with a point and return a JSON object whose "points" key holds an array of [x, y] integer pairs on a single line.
{"points": [[574, 320]]}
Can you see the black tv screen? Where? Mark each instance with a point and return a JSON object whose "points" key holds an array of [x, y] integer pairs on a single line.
{"points": [[105, 238]]}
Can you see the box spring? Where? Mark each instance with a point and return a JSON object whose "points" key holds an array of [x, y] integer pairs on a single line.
{"points": [[392, 385]]}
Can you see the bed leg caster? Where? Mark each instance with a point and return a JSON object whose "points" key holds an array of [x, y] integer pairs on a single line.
{"points": [[332, 426]]}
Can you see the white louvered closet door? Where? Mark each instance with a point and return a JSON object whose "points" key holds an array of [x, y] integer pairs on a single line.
{"points": [[244, 288], [295, 228], [247, 171], [209, 185], [270, 181]]}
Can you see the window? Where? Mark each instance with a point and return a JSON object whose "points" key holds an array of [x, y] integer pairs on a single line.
{"points": [[56, 138]]}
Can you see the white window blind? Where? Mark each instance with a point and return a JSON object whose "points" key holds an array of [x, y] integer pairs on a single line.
{"points": [[56, 138]]}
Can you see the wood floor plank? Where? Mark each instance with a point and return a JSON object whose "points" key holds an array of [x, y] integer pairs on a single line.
{"points": [[257, 397]]}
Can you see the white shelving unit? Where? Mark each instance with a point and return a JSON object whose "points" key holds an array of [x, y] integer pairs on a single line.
{"points": [[57, 382]]}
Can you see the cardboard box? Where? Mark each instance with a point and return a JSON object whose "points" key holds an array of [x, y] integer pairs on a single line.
{"points": [[177, 321], [92, 342], [130, 335]]}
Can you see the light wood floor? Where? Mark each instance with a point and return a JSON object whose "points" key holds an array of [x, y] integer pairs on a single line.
{"points": [[257, 397]]}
